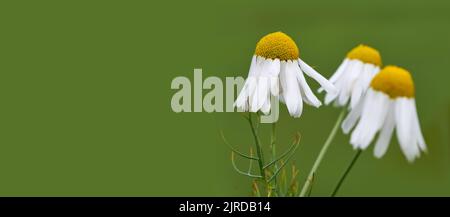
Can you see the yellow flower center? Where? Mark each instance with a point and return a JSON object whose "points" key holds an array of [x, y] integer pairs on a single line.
{"points": [[277, 45], [366, 54], [394, 81]]}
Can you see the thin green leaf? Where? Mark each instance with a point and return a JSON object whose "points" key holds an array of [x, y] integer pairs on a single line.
{"points": [[294, 143], [284, 164], [234, 150], [251, 162], [240, 171]]}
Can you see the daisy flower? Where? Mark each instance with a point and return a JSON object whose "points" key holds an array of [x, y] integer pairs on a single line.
{"points": [[353, 76], [389, 103], [277, 70]]}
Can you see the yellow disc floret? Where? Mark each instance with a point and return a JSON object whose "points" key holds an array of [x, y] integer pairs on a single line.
{"points": [[277, 45], [366, 54], [394, 81]]}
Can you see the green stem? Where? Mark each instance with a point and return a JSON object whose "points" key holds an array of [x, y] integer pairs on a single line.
{"points": [[350, 166], [274, 155], [258, 148], [324, 150], [273, 139]]}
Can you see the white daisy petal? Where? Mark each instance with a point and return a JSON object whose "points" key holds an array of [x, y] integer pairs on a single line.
{"points": [[372, 118], [306, 91], [416, 124], [345, 63], [274, 74], [348, 82], [386, 133], [327, 86], [329, 97], [291, 90], [268, 71], [243, 97], [359, 85], [263, 90], [340, 70], [356, 95], [340, 83], [351, 119], [404, 129], [252, 71], [266, 107]]}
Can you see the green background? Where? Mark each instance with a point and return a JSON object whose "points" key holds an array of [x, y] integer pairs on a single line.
{"points": [[85, 94]]}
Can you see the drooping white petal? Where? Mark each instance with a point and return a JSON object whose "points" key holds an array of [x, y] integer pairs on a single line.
{"points": [[372, 118], [340, 83], [290, 88], [327, 86], [341, 69], [268, 71], [266, 107], [359, 85], [405, 128], [242, 101], [329, 97], [417, 131], [370, 72], [351, 119], [306, 91], [356, 94], [252, 70], [348, 82], [386, 132], [253, 94], [262, 92], [274, 73]]}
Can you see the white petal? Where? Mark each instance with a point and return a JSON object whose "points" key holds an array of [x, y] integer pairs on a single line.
{"points": [[252, 70], [269, 70], [417, 130], [359, 86], [352, 117], [253, 94], [339, 83], [272, 68], [340, 70], [262, 93], [275, 86], [372, 118], [342, 67], [405, 129], [306, 91], [266, 107], [329, 97], [328, 86], [242, 99], [386, 132], [290, 88], [348, 83], [356, 95]]}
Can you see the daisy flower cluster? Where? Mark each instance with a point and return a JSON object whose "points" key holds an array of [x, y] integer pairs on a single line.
{"points": [[276, 69], [375, 102]]}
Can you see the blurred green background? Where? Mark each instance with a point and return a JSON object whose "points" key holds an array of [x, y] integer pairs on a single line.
{"points": [[85, 94]]}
